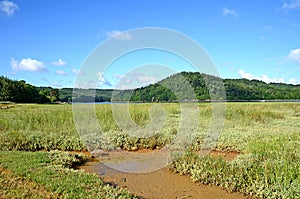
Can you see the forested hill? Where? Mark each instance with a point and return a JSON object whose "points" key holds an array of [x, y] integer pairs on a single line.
{"points": [[177, 86], [21, 92], [236, 89]]}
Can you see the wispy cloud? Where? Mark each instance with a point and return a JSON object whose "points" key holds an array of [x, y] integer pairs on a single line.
{"points": [[53, 84], [293, 4], [28, 64], [134, 80], [75, 71], [294, 55], [8, 7], [61, 72], [102, 81], [229, 12], [59, 62], [119, 35], [267, 79]]}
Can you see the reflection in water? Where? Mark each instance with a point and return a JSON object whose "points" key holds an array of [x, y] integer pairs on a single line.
{"points": [[135, 162]]}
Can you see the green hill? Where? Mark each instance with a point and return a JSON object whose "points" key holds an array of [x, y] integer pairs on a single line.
{"points": [[236, 89], [180, 86]]}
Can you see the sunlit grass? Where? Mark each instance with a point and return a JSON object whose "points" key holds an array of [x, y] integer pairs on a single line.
{"points": [[267, 134], [52, 175], [46, 127], [269, 169]]}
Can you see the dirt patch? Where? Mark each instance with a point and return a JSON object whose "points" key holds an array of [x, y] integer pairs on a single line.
{"points": [[161, 183], [228, 156], [5, 106]]}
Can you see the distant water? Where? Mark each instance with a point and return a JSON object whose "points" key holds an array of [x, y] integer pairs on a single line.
{"points": [[99, 102], [177, 102]]}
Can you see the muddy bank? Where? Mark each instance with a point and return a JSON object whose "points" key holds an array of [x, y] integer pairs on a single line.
{"points": [[161, 183]]}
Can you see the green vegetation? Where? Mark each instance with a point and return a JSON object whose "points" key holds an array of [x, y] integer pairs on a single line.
{"points": [[270, 169], [38, 127], [236, 89], [266, 134], [50, 175], [49, 127], [21, 92], [172, 88]]}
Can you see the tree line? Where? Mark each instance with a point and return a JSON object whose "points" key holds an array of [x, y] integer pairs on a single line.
{"points": [[180, 86], [207, 87], [22, 92]]}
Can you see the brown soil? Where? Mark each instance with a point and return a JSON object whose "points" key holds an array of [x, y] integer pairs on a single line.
{"points": [[228, 156], [161, 183]]}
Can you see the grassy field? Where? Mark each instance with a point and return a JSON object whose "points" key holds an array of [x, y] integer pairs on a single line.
{"points": [[50, 175], [266, 134]]}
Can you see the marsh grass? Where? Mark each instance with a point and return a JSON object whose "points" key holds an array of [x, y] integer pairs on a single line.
{"points": [[266, 133], [270, 169], [47, 127], [52, 173]]}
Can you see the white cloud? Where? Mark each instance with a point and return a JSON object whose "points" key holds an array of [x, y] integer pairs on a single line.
{"points": [[119, 35], [227, 12], [135, 80], [102, 80], [243, 74], [8, 7], [294, 55], [294, 81], [75, 71], [267, 79], [293, 4], [61, 72], [59, 62], [86, 84], [28, 65]]}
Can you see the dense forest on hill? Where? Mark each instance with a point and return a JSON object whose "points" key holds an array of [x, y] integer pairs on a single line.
{"points": [[180, 86], [236, 89], [21, 92]]}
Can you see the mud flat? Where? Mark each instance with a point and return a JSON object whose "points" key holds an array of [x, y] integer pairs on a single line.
{"points": [[161, 183]]}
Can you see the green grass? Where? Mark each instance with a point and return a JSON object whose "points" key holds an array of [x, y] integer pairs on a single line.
{"points": [[38, 127], [270, 169], [48, 127], [50, 175], [267, 135]]}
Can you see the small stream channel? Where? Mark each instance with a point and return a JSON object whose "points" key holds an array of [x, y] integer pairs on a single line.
{"points": [[138, 173]]}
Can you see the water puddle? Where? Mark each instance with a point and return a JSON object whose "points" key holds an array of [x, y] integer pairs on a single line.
{"points": [[134, 162]]}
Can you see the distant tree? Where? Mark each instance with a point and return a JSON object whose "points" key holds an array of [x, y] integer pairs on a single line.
{"points": [[54, 95]]}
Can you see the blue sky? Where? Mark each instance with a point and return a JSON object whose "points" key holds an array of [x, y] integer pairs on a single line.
{"points": [[46, 42]]}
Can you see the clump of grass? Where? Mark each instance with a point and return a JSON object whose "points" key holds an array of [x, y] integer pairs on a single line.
{"points": [[269, 170], [127, 142], [65, 159], [139, 115], [34, 141], [52, 172], [297, 111]]}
